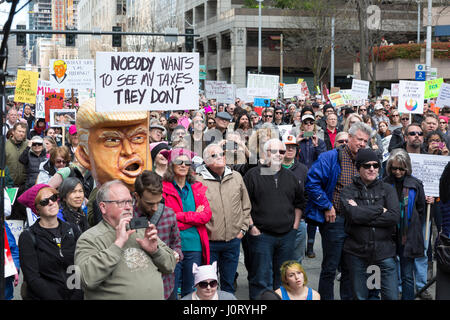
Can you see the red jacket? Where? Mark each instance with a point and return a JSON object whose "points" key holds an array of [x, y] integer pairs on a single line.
{"points": [[191, 219]]}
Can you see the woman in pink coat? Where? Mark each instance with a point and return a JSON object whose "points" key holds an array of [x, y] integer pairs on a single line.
{"points": [[187, 198]]}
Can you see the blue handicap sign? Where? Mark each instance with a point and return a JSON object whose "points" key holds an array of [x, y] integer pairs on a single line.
{"points": [[420, 75], [261, 102]]}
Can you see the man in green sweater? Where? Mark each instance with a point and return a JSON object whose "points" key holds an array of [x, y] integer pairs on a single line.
{"points": [[121, 264]]}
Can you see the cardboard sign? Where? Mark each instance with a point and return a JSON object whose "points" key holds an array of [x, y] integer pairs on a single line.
{"points": [[53, 100], [360, 89], [444, 96], [432, 88], [428, 168], [241, 93], [336, 99], [16, 228], [12, 193], [394, 89], [264, 86], [27, 82], [43, 88], [292, 90], [411, 96], [62, 117], [135, 81], [72, 74]]}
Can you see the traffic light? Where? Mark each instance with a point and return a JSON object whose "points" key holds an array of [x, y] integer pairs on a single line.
{"points": [[70, 40], [21, 38], [117, 38], [189, 40]]}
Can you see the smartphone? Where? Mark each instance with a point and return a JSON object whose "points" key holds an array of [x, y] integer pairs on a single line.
{"points": [[138, 223], [308, 134]]}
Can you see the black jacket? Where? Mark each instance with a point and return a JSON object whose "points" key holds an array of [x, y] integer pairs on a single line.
{"points": [[274, 199], [327, 140], [31, 162], [300, 171], [369, 229], [397, 139], [45, 265], [414, 246]]}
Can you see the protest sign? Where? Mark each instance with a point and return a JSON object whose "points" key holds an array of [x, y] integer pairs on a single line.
{"points": [[261, 102], [394, 89], [336, 99], [411, 96], [241, 93], [16, 228], [10, 268], [305, 89], [135, 81], [228, 95], [31, 217], [334, 89], [264, 86], [53, 100], [62, 117], [444, 96], [284, 129], [385, 142], [27, 82], [43, 88], [350, 100], [432, 88], [292, 90], [213, 88], [360, 89], [428, 168], [12, 193], [72, 74]]}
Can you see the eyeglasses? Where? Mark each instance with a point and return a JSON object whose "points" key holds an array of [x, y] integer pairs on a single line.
{"points": [[369, 165], [181, 162], [60, 161], [396, 115], [46, 201], [268, 116], [205, 284], [173, 121], [397, 168], [362, 109], [121, 203], [308, 122], [217, 155], [342, 141], [404, 119], [278, 112], [274, 151], [212, 122], [36, 144], [413, 133]]}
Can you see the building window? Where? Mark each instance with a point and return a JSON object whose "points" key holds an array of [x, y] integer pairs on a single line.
{"points": [[121, 7]]}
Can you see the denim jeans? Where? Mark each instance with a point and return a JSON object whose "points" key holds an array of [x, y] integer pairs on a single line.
{"points": [[407, 276], [300, 242], [268, 252], [333, 237], [184, 277], [227, 256], [360, 273], [421, 264], [311, 231]]}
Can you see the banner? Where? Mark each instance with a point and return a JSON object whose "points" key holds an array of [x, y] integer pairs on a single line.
{"points": [[134, 81], [263, 86], [350, 100], [72, 74], [360, 89], [27, 82], [444, 96], [428, 168], [16, 228], [292, 90], [53, 101], [432, 88], [411, 96], [261, 102]]}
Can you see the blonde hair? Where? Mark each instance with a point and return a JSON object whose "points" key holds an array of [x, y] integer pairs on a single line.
{"points": [[292, 264]]}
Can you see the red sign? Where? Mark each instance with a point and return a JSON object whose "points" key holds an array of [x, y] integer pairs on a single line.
{"points": [[53, 100]]}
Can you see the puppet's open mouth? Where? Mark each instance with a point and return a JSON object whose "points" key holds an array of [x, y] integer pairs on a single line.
{"points": [[132, 168]]}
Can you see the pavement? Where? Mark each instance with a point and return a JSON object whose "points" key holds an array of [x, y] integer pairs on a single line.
{"points": [[311, 266]]}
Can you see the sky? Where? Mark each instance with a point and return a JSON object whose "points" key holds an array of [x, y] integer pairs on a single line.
{"points": [[19, 18]]}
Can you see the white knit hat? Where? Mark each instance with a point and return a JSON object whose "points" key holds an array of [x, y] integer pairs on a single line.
{"points": [[205, 272]]}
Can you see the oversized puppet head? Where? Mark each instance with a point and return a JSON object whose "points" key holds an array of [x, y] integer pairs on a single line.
{"points": [[113, 145]]}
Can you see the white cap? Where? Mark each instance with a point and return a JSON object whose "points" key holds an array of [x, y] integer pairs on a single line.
{"points": [[205, 272], [379, 106], [289, 139], [308, 116]]}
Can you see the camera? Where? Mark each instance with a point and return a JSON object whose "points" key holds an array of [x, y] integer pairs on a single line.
{"points": [[138, 223]]}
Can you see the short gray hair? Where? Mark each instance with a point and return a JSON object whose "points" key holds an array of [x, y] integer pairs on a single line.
{"points": [[360, 126], [206, 150], [400, 155], [103, 191], [271, 141]]}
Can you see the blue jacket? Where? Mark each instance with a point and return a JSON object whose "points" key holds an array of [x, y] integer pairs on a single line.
{"points": [[320, 183], [308, 153]]}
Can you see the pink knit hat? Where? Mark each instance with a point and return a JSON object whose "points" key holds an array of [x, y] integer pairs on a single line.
{"points": [[175, 153], [28, 198]]}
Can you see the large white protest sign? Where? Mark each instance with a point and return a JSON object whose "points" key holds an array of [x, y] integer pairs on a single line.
{"points": [[220, 91], [428, 168], [72, 74], [394, 89], [262, 85], [360, 89], [292, 90], [241, 93], [444, 96], [411, 96], [350, 100], [134, 81], [42, 89], [228, 95]]}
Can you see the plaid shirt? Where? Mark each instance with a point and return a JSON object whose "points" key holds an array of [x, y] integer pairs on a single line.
{"points": [[168, 233], [348, 171]]}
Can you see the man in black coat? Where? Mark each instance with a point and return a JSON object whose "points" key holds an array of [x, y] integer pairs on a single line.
{"points": [[371, 211]]}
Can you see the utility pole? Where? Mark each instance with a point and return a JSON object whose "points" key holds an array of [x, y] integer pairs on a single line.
{"points": [[259, 36], [428, 52], [332, 54], [418, 20], [281, 58]]}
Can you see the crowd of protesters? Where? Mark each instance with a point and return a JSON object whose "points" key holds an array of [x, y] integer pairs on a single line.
{"points": [[224, 178]]}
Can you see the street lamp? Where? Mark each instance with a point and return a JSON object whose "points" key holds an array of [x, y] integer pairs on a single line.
{"points": [[259, 35], [418, 20], [280, 37]]}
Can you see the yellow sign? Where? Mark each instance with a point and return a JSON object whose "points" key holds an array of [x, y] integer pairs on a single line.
{"points": [[300, 80], [26, 88], [336, 99]]}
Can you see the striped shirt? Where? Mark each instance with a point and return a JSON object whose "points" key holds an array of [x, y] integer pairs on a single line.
{"points": [[348, 171]]}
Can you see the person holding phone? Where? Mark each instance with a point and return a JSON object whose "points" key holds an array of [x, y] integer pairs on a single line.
{"points": [[310, 145]]}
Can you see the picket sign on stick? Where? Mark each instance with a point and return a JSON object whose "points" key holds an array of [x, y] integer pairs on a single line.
{"points": [[427, 222]]}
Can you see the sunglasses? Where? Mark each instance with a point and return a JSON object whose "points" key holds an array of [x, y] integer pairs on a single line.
{"points": [[35, 144], [404, 119], [369, 165], [342, 141], [217, 155], [60, 161], [362, 109], [212, 122], [46, 201], [308, 122], [268, 116], [180, 162], [413, 133], [397, 168], [205, 284], [443, 122], [278, 112], [274, 151], [173, 121]]}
